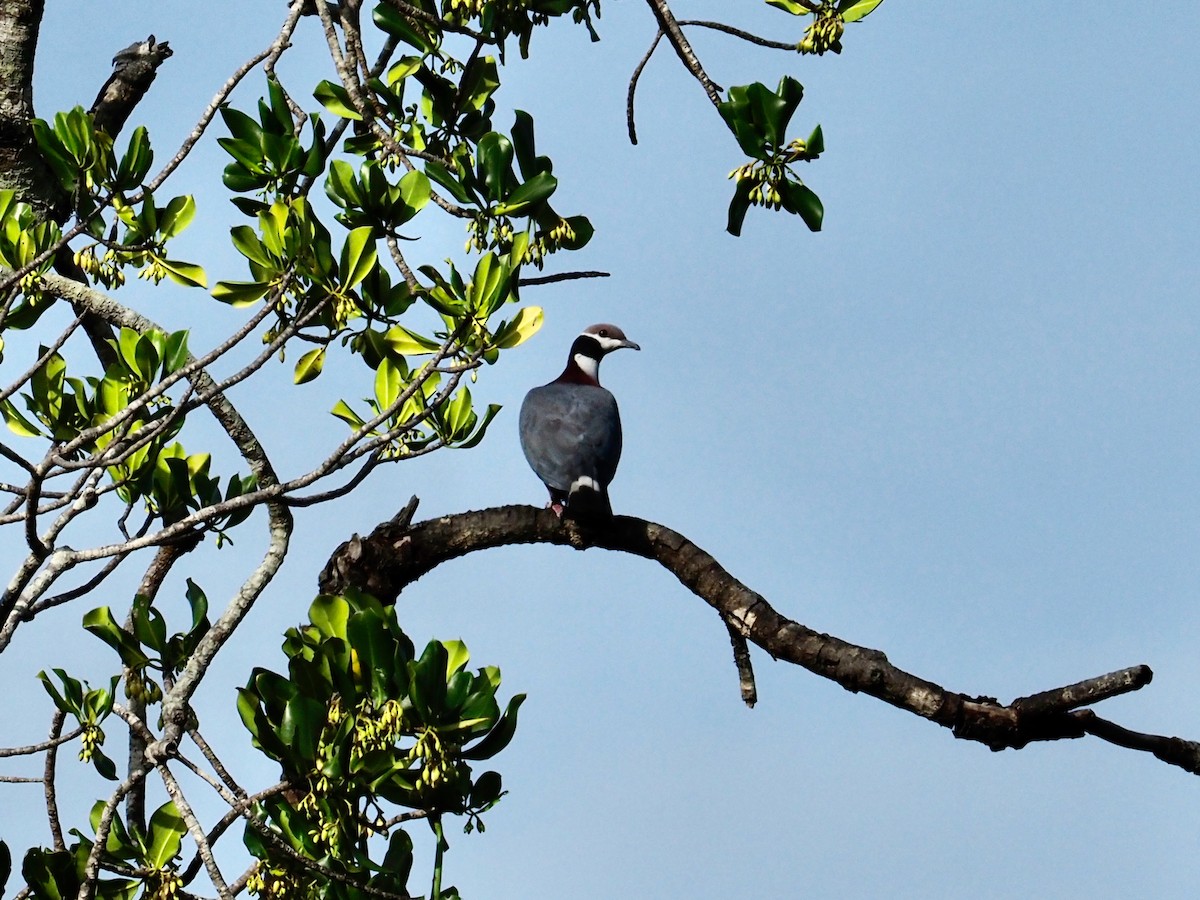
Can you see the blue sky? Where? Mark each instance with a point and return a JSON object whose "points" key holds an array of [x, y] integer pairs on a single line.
{"points": [[959, 425]]}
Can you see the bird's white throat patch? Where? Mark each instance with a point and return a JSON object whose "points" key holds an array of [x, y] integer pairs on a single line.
{"points": [[589, 365]]}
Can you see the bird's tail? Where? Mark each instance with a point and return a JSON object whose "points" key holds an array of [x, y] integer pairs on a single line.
{"points": [[587, 503]]}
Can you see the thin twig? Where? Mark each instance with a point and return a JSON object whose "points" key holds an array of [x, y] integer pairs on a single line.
{"points": [[271, 53], [633, 83], [53, 742], [561, 276], [738, 33], [195, 830]]}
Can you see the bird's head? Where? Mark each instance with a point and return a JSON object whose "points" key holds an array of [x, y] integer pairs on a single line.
{"points": [[608, 337], [593, 344]]}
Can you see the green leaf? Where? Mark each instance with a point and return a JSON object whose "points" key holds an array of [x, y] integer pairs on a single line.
{"points": [[167, 829], [583, 229], [488, 285], [330, 612], [126, 345], [61, 701], [103, 624], [457, 656], [452, 183], [149, 626], [242, 126], [51, 874], [500, 736], [791, 6], [494, 156], [486, 790], [816, 142], [358, 256], [854, 10], [534, 191], [177, 216], [175, 351], [479, 82], [803, 202], [342, 184], [481, 429], [392, 22], [415, 190], [335, 99], [525, 325], [758, 117], [401, 69], [528, 161], [342, 410], [301, 726], [146, 356], [239, 293], [136, 162], [398, 860], [198, 603], [105, 766], [389, 381], [309, 366], [738, 206], [185, 273], [403, 342], [427, 682], [16, 422]]}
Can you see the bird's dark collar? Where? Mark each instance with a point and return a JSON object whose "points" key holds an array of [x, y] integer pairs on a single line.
{"points": [[584, 345]]}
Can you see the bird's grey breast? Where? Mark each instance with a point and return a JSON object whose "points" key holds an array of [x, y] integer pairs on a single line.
{"points": [[571, 430]]}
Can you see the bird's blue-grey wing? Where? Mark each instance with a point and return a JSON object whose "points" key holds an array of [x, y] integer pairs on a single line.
{"points": [[569, 431]]}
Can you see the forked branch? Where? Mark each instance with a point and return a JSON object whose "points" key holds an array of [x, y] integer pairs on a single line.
{"points": [[396, 554]]}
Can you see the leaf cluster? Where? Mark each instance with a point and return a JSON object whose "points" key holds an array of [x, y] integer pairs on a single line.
{"points": [[150, 854], [362, 725]]}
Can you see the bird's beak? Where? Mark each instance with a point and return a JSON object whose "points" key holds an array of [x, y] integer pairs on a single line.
{"points": [[630, 344]]}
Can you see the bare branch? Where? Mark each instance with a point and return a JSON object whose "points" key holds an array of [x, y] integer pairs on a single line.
{"points": [[668, 25], [76, 592], [195, 830], [1173, 750], [41, 360], [738, 33], [1084, 693], [560, 276], [49, 772], [54, 740], [633, 83], [215, 762], [741, 660], [394, 556]]}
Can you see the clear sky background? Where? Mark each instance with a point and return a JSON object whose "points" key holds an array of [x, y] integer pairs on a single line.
{"points": [[959, 425]]}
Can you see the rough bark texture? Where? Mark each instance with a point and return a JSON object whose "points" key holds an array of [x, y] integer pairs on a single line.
{"points": [[134, 69], [21, 167], [396, 554]]}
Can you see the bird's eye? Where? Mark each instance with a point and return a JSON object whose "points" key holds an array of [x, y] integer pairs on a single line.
{"points": [[603, 332]]}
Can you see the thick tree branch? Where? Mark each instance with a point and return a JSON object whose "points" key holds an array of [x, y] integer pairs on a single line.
{"points": [[21, 166], [396, 554], [670, 27], [134, 69]]}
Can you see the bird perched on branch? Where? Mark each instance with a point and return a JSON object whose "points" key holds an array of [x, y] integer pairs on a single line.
{"points": [[571, 429]]}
